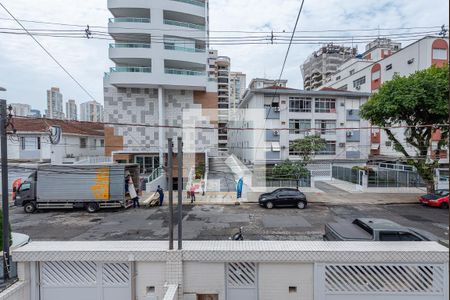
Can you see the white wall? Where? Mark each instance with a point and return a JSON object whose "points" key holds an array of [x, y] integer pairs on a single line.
{"points": [[204, 278], [150, 274]]}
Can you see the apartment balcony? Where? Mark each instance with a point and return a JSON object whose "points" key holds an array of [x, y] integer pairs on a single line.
{"points": [[184, 24], [184, 53], [129, 20], [184, 49], [193, 7], [193, 2], [122, 26], [184, 72], [120, 52]]}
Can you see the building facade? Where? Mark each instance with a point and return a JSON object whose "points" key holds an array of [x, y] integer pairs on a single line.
{"points": [[282, 115], [91, 111], [35, 113], [238, 84], [159, 82], [21, 110], [54, 104], [322, 63], [71, 110]]}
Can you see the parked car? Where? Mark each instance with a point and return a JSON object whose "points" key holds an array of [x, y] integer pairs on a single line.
{"points": [[283, 197], [438, 199], [366, 229]]}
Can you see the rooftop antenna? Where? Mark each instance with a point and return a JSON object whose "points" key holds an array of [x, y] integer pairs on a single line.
{"points": [[444, 31]]}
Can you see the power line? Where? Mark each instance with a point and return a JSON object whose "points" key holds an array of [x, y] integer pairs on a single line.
{"points": [[48, 53]]}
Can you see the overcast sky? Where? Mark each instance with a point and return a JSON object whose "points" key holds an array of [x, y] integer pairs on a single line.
{"points": [[27, 72]]}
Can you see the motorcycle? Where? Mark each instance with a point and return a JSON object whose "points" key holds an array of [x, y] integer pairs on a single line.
{"points": [[238, 235]]}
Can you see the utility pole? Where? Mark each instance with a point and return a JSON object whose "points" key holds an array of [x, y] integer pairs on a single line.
{"points": [[5, 200], [170, 169], [180, 193]]}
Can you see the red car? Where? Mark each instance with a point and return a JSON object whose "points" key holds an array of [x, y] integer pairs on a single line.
{"points": [[441, 202]]}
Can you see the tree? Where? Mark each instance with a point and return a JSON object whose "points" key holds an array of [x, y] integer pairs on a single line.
{"points": [[307, 148], [417, 102]]}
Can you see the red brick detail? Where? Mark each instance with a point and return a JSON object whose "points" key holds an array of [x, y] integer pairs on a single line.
{"points": [[375, 82], [368, 56], [439, 44]]}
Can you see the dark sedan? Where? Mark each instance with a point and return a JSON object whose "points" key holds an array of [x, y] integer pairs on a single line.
{"points": [[283, 197]]}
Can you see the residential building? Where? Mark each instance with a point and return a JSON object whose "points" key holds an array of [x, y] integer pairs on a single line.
{"points": [[382, 61], [280, 115], [237, 89], [91, 111], [20, 109], [322, 63], [31, 142], [159, 84], [54, 104], [34, 113], [71, 110]]}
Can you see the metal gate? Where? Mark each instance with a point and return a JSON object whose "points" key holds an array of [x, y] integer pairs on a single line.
{"points": [[381, 281], [320, 171], [242, 281], [87, 280]]}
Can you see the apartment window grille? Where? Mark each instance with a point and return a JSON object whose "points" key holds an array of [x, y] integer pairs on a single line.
{"points": [[298, 126], [330, 148], [326, 126], [298, 104], [325, 105], [360, 81], [102, 143], [83, 143]]}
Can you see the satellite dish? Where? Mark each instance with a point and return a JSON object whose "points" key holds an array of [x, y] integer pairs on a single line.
{"points": [[55, 134]]}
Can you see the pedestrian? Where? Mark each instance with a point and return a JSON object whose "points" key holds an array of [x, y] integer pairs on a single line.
{"points": [[192, 194], [132, 192], [160, 191]]}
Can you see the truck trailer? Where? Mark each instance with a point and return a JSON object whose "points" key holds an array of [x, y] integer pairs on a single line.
{"points": [[77, 186]]}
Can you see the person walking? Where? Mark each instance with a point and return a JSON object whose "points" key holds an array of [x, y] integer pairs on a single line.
{"points": [[192, 194], [132, 192], [160, 191]]}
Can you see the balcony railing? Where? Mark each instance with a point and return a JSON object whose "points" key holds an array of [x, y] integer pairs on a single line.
{"points": [[194, 2], [185, 49], [184, 72], [129, 20], [130, 45], [131, 69], [184, 24]]}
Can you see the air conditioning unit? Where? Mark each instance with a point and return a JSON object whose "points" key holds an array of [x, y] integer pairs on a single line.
{"points": [[342, 104], [276, 109], [276, 132], [341, 145], [358, 87], [349, 133]]}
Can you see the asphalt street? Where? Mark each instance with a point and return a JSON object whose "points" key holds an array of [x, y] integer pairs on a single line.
{"points": [[217, 222]]}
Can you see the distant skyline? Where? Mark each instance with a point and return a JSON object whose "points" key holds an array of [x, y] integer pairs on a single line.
{"points": [[30, 72]]}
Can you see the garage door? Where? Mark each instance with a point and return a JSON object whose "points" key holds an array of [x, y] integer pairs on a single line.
{"points": [[242, 281], [69, 280], [381, 281]]}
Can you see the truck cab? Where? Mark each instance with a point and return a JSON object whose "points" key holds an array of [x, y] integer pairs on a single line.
{"points": [[25, 195]]}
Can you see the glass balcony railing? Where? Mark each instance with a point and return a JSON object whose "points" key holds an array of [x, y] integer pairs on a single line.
{"points": [[130, 45], [131, 69], [181, 48], [129, 20], [184, 72], [194, 2], [184, 24]]}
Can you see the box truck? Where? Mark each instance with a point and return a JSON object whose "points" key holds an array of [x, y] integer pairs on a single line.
{"points": [[77, 186]]}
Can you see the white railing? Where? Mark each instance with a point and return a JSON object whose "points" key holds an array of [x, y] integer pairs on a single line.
{"points": [[92, 160]]}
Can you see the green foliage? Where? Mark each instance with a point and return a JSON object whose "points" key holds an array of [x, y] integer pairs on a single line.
{"points": [[290, 170], [417, 100], [308, 147], [200, 171]]}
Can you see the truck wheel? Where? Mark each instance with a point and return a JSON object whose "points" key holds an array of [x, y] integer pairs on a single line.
{"points": [[92, 207], [29, 208]]}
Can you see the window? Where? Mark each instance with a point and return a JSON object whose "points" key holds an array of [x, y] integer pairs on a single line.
{"points": [[122, 90], [25, 186], [94, 144], [298, 104], [325, 105], [388, 67], [359, 81], [326, 126], [38, 142], [389, 236], [440, 54], [330, 148], [30, 143], [406, 236], [376, 75], [292, 151], [338, 77], [102, 143], [82, 143], [352, 71], [135, 91], [299, 126]]}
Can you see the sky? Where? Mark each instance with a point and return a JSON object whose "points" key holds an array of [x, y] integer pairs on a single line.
{"points": [[27, 72]]}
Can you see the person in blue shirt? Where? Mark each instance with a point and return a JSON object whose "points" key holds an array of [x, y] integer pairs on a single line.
{"points": [[160, 191]]}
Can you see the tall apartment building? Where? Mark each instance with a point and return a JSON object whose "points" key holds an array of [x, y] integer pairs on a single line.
{"points": [[159, 82], [71, 110], [54, 104], [35, 113], [21, 109], [381, 63], [322, 63], [91, 111], [237, 89]]}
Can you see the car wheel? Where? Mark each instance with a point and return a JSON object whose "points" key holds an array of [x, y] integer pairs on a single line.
{"points": [[301, 204], [91, 207], [444, 205], [29, 208], [269, 205]]}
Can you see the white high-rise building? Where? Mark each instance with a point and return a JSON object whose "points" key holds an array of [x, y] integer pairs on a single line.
{"points": [[91, 111], [21, 109], [237, 89], [54, 104], [159, 76], [71, 110]]}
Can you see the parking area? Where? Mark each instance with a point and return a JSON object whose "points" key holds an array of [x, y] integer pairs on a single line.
{"points": [[218, 222]]}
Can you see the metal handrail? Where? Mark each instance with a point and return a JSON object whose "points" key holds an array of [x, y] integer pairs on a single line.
{"points": [[129, 20], [184, 24], [131, 69], [130, 45]]}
